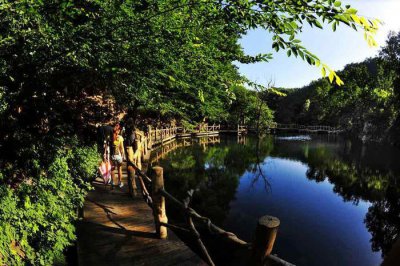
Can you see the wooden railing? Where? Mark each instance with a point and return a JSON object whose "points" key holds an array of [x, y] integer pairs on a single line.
{"points": [[155, 195], [206, 128], [157, 136]]}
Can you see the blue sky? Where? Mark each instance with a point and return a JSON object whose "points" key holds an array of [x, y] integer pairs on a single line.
{"points": [[336, 49]]}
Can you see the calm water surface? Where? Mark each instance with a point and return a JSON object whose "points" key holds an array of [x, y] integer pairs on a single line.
{"points": [[338, 201]]}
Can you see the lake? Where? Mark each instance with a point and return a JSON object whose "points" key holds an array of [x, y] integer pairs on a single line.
{"points": [[337, 200]]}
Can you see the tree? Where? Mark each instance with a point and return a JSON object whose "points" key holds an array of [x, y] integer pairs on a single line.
{"points": [[391, 55], [367, 105]]}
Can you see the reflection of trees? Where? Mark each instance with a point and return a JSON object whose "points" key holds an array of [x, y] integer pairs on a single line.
{"points": [[383, 221], [356, 181], [353, 171], [214, 172], [257, 168]]}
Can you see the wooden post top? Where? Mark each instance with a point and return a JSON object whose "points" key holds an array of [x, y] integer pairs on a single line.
{"points": [[269, 221], [158, 170], [265, 236]]}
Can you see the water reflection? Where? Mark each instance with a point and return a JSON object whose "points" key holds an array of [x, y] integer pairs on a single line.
{"points": [[228, 173]]}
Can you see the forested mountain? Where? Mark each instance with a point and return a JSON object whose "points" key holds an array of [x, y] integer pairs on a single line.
{"points": [[366, 106]]}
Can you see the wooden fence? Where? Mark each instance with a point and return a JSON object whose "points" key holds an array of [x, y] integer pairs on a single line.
{"points": [[157, 136]]}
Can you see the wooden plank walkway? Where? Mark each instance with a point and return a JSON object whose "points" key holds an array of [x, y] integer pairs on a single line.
{"points": [[119, 230]]}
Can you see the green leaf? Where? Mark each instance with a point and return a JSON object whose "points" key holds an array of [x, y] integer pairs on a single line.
{"points": [[275, 46], [301, 54], [294, 50], [318, 24], [356, 19], [331, 76], [201, 96], [339, 82], [351, 11], [337, 3]]}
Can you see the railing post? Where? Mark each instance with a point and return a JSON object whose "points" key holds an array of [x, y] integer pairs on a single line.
{"points": [[150, 140], [132, 181], [138, 154], [159, 212], [265, 235], [145, 147], [131, 172]]}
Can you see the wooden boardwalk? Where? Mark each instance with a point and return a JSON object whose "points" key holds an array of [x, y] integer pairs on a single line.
{"points": [[119, 230]]}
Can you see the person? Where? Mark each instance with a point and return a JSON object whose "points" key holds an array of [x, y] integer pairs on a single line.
{"points": [[117, 153], [122, 128], [130, 142], [130, 133], [104, 137]]}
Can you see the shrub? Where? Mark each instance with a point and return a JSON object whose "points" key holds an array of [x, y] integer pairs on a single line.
{"points": [[37, 217], [83, 162]]}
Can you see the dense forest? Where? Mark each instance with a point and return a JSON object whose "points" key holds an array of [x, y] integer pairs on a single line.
{"points": [[67, 65], [367, 105]]}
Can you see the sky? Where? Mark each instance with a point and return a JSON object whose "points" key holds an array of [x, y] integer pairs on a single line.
{"points": [[336, 49]]}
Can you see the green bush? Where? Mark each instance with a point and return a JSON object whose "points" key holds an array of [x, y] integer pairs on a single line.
{"points": [[83, 162], [37, 217]]}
